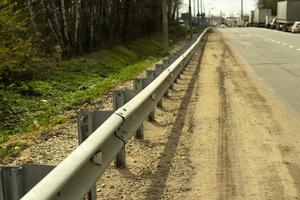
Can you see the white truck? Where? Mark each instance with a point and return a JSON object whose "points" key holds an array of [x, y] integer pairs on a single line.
{"points": [[260, 16], [288, 12], [269, 20], [251, 18]]}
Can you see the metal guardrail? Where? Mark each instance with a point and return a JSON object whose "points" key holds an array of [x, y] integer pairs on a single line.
{"points": [[74, 177]]}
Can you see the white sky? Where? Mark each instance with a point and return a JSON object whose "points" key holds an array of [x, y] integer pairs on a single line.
{"points": [[225, 6]]}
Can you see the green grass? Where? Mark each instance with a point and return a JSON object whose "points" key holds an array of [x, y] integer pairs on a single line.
{"points": [[36, 105]]}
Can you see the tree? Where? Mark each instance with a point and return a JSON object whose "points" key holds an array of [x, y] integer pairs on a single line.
{"points": [[33, 29], [19, 56]]}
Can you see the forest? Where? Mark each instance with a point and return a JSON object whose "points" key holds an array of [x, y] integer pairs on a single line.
{"points": [[56, 55], [34, 30]]}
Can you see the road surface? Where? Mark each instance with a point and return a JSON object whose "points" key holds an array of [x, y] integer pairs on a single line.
{"points": [[275, 57]]}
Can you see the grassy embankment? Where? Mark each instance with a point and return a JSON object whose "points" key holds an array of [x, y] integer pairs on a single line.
{"points": [[33, 107]]}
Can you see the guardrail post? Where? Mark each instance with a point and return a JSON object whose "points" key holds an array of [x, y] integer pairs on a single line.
{"points": [[87, 123], [118, 101], [151, 74], [120, 98], [84, 131], [159, 68], [120, 160], [166, 62], [16, 181]]}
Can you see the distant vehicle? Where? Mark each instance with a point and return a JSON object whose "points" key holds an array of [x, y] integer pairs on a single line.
{"points": [[296, 27], [288, 12], [260, 16], [269, 20], [273, 24], [222, 26], [251, 18]]}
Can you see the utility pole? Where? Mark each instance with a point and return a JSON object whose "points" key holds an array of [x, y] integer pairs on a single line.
{"points": [[191, 24], [198, 14], [165, 26], [201, 6], [242, 12], [194, 8]]}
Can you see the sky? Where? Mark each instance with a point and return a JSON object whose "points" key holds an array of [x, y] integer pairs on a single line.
{"points": [[225, 6]]}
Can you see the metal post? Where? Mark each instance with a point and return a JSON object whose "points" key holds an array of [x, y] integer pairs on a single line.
{"points": [[242, 12], [194, 9], [191, 24], [165, 26], [120, 160], [198, 14]]}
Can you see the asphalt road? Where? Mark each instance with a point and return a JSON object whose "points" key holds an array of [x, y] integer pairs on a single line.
{"points": [[274, 56]]}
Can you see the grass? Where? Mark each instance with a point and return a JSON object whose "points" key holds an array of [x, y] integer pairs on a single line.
{"points": [[36, 105]]}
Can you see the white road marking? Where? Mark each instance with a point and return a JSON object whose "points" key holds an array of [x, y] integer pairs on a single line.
{"points": [[298, 49], [291, 46], [284, 44], [273, 41], [278, 42]]}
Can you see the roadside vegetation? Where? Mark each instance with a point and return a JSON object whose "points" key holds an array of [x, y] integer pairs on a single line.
{"points": [[56, 55], [36, 105]]}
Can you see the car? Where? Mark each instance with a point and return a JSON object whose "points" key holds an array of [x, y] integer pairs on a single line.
{"points": [[222, 26], [296, 27]]}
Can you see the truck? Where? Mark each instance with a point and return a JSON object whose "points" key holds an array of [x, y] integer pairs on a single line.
{"points": [[260, 16], [269, 20], [251, 18], [288, 12]]}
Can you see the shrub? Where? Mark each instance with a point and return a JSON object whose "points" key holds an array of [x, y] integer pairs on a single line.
{"points": [[19, 58]]}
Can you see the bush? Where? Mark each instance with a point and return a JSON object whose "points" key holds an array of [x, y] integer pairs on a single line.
{"points": [[19, 58]]}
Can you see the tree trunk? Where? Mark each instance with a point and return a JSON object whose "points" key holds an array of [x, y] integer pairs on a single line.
{"points": [[32, 16], [65, 29], [77, 25]]}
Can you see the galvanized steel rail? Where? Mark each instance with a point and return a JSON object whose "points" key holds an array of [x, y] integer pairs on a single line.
{"points": [[75, 176]]}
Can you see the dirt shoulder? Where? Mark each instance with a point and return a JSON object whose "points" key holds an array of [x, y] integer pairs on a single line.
{"points": [[244, 145]]}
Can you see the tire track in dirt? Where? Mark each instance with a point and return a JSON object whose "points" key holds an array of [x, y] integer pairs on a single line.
{"points": [[225, 177], [241, 149], [162, 173]]}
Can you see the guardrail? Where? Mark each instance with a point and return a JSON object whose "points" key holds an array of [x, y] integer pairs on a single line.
{"points": [[74, 177]]}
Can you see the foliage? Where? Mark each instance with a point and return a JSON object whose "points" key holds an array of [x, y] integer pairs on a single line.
{"points": [[18, 55], [33, 105], [12, 149]]}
